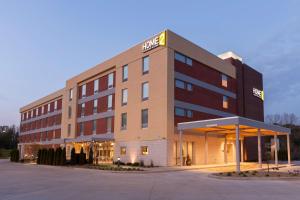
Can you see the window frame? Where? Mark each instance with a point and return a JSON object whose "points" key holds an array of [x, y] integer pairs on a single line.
{"points": [[144, 153], [123, 150], [144, 98], [82, 110], [110, 80], [125, 69], [123, 121], [145, 58], [225, 103], [124, 94], [109, 102], [144, 124], [224, 80], [96, 86], [95, 106], [179, 115], [83, 91]]}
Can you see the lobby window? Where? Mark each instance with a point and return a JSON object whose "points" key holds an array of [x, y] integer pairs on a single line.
{"points": [[95, 106], [144, 118], [94, 126], [49, 107], [70, 94], [124, 96], [69, 112], [225, 102], [110, 80], [55, 105], [183, 59], [82, 109], [145, 65], [145, 91], [96, 86], [122, 150], [81, 128], [83, 90], [224, 80], [109, 124], [144, 150], [109, 102], [179, 112], [69, 129], [125, 73], [123, 121]]}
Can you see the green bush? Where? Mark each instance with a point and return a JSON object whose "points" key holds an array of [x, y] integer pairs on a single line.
{"points": [[14, 155], [82, 157], [73, 157], [63, 159], [38, 160], [91, 156]]}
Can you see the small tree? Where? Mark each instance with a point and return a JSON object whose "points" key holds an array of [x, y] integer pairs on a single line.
{"points": [[38, 160], [58, 156], [91, 156], [73, 157], [63, 157], [82, 157]]}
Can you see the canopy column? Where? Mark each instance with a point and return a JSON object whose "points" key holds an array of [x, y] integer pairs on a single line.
{"points": [[225, 149], [180, 147], [288, 148], [275, 149], [242, 150], [237, 147], [206, 149], [259, 147]]}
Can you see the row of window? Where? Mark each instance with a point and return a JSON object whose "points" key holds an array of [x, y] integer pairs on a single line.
{"points": [[145, 68], [183, 85], [95, 106], [94, 126], [43, 123], [144, 150], [37, 138], [144, 96], [30, 114], [144, 119]]}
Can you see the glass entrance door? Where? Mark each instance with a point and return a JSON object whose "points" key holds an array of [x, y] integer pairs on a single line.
{"points": [[104, 152]]}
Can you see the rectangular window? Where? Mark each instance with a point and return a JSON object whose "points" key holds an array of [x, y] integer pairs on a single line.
{"points": [[83, 90], [110, 80], [179, 84], [43, 109], [179, 112], [124, 96], [109, 124], [49, 107], [31, 114], [145, 91], [36, 112], [144, 150], [144, 118], [94, 126], [224, 80], [179, 57], [70, 94], [109, 102], [55, 105], [95, 106], [81, 129], [46, 135], [225, 102], [145, 65], [189, 87], [69, 112], [96, 86], [189, 113], [82, 109], [122, 150], [189, 61], [125, 73], [69, 129], [123, 121]]}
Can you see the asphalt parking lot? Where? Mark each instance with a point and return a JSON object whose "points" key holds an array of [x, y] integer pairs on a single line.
{"points": [[30, 182]]}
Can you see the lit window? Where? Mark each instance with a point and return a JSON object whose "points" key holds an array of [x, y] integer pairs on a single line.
{"points": [[144, 150], [179, 57], [189, 113], [189, 87], [110, 80], [83, 90], [179, 112], [145, 91], [144, 118], [225, 102], [94, 126], [109, 124], [81, 128], [69, 129], [122, 150], [224, 80], [82, 109], [70, 94], [55, 105], [146, 65], [124, 96], [109, 102], [95, 106], [69, 111], [179, 84], [125, 73], [123, 121], [49, 107], [96, 85]]}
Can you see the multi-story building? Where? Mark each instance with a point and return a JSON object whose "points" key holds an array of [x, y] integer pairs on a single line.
{"points": [[129, 105]]}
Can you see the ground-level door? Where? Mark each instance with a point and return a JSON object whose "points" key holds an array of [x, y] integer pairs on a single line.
{"points": [[187, 152], [104, 152]]}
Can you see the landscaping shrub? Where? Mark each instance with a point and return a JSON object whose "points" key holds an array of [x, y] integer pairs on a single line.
{"points": [[63, 159], [82, 157], [142, 163], [73, 157], [14, 155], [91, 156], [38, 160], [135, 164]]}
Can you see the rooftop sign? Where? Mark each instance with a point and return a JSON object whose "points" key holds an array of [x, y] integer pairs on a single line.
{"points": [[258, 93], [158, 40]]}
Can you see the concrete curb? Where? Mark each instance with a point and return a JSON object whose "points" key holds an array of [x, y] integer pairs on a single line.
{"points": [[254, 178]]}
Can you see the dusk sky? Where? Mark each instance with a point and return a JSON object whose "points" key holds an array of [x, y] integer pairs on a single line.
{"points": [[44, 43]]}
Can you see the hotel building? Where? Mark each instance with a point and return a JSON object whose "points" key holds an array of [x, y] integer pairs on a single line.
{"points": [[130, 106]]}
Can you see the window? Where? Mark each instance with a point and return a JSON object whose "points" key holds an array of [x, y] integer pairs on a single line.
{"points": [[70, 94], [110, 80], [122, 150], [49, 107], [183, 58], [144, 118], [55, 105], [179, 84], [144, 150], [83, 90], [189, 87], [82, 109], [109, 102], [179, 112], [109, 124], [95, 106], [36, 112], [81, 128], [225, 102], [145, 91], [125, 73], [43, 109], [46, 135], [123, 121], [69, 129], [124, 96], [31, 114], [145, 65], [96, 86], [69, 112], [224, 80], [189, 113], [94, 126]]}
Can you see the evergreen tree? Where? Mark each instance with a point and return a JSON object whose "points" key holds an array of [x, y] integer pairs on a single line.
{"points": [[82, 158], [73, 157], [38, 157], [63, 157], [91, 156]]}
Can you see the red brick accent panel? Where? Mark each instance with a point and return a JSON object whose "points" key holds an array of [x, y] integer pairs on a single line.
{"points": [[103, 81], [101, 126], [112, 124], [50, 135], [90, 88], [89, 108], [59, 104], [88, 128], [196, 116], [57, 133], [102, 104]]}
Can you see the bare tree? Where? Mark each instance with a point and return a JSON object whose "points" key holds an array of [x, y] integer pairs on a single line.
{"points": [[282, 119]]}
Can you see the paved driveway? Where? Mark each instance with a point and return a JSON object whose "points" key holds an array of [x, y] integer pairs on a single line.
{"points": [[18, 181]]}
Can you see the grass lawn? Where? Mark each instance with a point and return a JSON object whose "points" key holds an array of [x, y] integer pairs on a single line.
{"points": [[4, 153]]}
